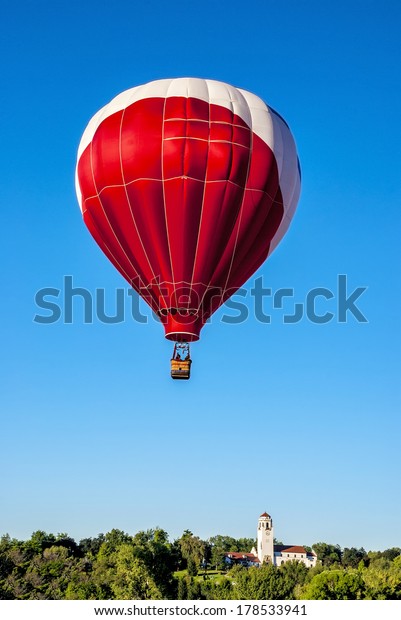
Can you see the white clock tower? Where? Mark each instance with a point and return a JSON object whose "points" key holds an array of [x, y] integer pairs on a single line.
{"points": [[265, 539]]}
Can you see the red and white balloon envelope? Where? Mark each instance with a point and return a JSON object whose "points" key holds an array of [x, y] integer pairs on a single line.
{"points": [[187, 185]]}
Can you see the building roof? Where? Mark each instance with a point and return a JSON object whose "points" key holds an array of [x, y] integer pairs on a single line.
{"points": [[291, 549], [265, 515]]}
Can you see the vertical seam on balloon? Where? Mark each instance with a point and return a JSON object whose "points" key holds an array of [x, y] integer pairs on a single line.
{"points": [[276, 160], [105, 215], [242, 203], [183, 175], [278, 233], [226, 183], [239, 215], [286, 208], [297, 182], [250, 271], [280, 162], [130, 206], [285, 134], [204, 190], [163, 187]]}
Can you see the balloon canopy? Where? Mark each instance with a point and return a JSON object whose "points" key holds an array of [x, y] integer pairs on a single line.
{"points": [[187, 185]]}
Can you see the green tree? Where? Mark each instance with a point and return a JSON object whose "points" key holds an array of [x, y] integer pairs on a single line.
{"points": [[392, 554], [130, 579], [50, 572], [219, 546], [351, 557], [388, 554], [221, 591], [90, 546], [38, 542], [192, 567], [182, 593], [335, 585], [327, 554], [194, 591], [14, 562], [84, 591], [192, 547], [6, 564], [113, 540], [264, 583], [244, 544], [383, 579], [160, 558], [293, 574]]}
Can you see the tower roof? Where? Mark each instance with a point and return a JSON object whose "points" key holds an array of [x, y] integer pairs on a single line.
{"points": [[265, 515]]}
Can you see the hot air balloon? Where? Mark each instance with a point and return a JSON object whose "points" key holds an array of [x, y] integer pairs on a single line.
{"points": [[187, 185]]}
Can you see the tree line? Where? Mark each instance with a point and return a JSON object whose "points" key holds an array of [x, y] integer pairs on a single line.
{"points": [[147, 566]]}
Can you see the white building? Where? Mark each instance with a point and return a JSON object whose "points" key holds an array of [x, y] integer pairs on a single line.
{"points": [[268, 552]]}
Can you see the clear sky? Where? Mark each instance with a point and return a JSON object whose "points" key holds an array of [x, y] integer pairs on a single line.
{"points": [[301, 420]]}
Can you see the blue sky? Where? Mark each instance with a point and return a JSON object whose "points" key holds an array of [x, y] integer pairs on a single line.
{"points": [[301, 420]]}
